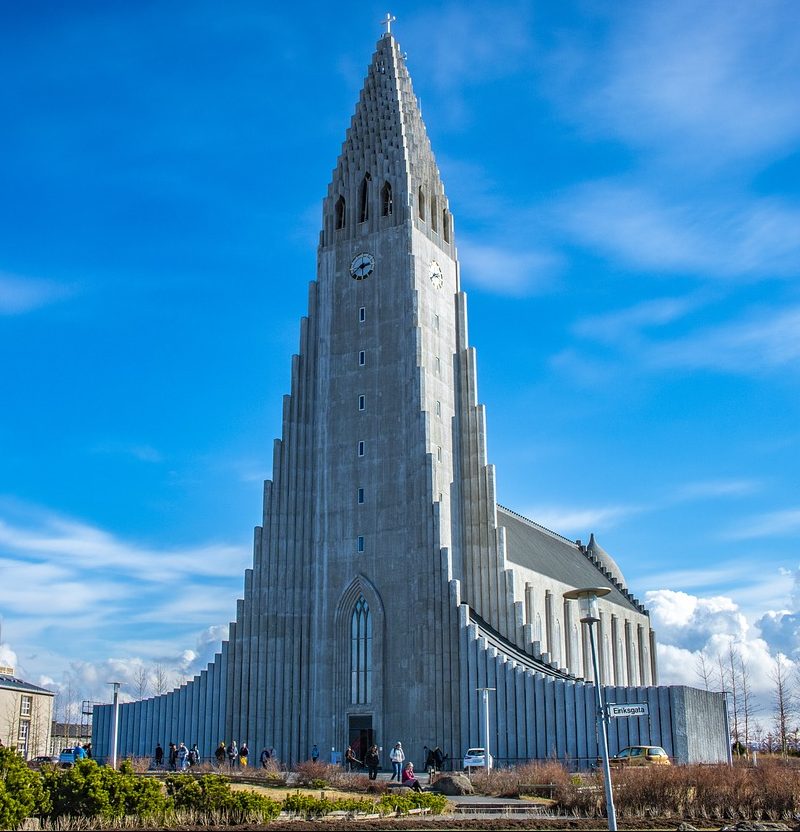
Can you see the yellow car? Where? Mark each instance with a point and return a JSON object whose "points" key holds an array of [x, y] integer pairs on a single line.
{"points": [[639, 755]]}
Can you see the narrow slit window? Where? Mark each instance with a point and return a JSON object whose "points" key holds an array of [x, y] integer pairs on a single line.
{"points": [[361, 496], [362, 402], [421, 205], [438, 453], [360, 543], [361, 448], [339, 213], [446, 226], [436, 322], [438, 408], [361, 653], [438, 365], [362, 358], [363, 199], [386, 200], [362, 314], [434, 223]]}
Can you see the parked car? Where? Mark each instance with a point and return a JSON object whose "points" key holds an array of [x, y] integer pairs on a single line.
{"points": [[43, 760], [475, 758], [68, 756], [639, 755]]}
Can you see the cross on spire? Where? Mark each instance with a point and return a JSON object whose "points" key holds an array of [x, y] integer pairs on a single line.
{"points": [[387, 22]]}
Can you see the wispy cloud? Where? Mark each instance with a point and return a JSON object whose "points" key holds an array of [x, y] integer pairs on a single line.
{"points": [[712, 489], [770, 524], [711, 84], [507, 270], [706, 238], [574, 520], [19, 294], [140, 451]]}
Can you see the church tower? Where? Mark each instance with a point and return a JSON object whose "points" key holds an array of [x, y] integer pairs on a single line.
{"points": [[388, 585]]}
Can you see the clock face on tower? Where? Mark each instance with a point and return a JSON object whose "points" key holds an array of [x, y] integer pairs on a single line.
{"points": [[362, 266], [437, 278]]}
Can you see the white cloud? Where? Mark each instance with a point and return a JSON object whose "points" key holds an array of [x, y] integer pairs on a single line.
{"points": [[20, 294], [711, 489], [758, 238], [8, 658], [572, 520], [770, 524], [507, 270], [710, 83]]}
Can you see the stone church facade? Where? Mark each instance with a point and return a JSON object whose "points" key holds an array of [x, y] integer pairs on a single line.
{"points": [[387, 583]]}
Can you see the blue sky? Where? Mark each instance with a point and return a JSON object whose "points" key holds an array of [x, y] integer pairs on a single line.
{"points": [[625, 183]]}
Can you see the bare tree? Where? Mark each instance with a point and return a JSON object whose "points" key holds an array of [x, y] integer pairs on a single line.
{"points": [[704, 672], [783, 701], [749, 706], [736, 699], [141, 682], [160, 679]]}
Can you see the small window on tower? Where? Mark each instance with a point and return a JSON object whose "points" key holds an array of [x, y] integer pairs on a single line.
{"points": [[361, 496], [439, 453], [362, 402], [363, 199], [386, 200], [438, 366], [362, 358], [436, 322], [338, 212], [421, 205], [359, 544], [361, 448], [438, 408], [434, 223], [362, 314], [446, 225]]}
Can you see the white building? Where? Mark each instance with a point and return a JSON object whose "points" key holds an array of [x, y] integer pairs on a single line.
{"points": [[387, 584], [26, 712]]}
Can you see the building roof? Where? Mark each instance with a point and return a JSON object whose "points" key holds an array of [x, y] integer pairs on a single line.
{"points": [[13, 683], [541, 550]]}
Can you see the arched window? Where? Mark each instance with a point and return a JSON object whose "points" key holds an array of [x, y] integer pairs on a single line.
{"points": [[363, 199], [434, 222], [446, 225], [386, 200], [421, 205], [338, 213], [361, 653]]}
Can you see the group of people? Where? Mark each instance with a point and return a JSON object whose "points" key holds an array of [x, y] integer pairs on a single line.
{"points": [[402, 769], [180, 757]]}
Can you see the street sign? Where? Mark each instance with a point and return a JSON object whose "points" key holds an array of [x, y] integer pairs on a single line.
{"points": [[633, 709]]}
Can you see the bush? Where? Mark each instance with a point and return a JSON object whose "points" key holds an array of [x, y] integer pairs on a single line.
{"points": [[210, 796], [21, 791], [93, 791], [393, 803]]}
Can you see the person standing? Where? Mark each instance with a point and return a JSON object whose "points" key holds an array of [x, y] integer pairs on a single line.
{"points": [[314, 753], [194, 755], [372, 760], [396, 755], [244, 753], [219, 754], [173, 756], [159, 755], [183, 754], [233, 755]]}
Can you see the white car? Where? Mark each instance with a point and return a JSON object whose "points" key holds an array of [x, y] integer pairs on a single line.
{"points": [[475, 758]]}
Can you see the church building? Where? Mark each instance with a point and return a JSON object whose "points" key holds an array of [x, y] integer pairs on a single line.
{"points": [[388, 586]]}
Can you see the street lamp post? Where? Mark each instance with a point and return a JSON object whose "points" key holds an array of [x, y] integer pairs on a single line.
{"points": [[486, 756], [115, 724], [590, 615]]}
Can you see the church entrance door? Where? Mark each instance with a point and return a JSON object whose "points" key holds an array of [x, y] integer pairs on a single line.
{"points": [[360, 734]]}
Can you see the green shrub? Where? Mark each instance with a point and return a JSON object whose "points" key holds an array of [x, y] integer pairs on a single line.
{"points": [[92, 791], [211, 796], [404, 803], [21, 791]]}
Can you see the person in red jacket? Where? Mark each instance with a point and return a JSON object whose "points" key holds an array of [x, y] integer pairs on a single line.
{"points": [[410, 779]]}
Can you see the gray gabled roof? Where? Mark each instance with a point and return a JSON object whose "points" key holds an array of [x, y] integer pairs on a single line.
{"points": [[541, 550], [13, 683]]}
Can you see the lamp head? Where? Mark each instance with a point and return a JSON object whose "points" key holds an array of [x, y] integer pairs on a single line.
{"points": [[587, 601]]}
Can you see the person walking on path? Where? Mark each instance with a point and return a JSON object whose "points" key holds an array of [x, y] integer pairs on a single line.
{"points": [[314, 753], [183, 754], [173, 756], [372, 761], [397, 756], [159, 755]]}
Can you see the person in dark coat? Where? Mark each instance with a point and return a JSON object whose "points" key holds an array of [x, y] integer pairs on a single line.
{"points": [[372, 760], [159, 755]]}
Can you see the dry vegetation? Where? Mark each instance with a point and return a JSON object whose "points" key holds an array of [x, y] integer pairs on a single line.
{"points": [[769, 792]]}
